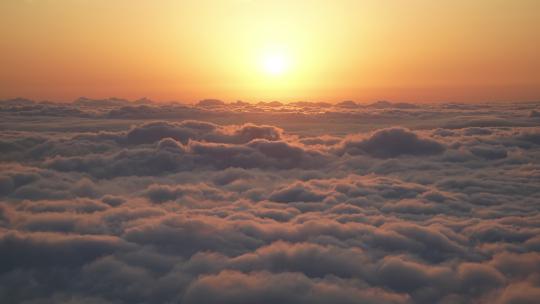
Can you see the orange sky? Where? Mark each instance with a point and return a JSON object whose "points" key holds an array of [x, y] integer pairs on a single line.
{"points": [[461, 50]]}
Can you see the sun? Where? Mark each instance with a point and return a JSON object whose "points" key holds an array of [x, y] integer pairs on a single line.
{"points": [[275, 63]]}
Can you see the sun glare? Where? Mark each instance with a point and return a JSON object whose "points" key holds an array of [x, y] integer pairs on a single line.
{"points": [[275, 64]]}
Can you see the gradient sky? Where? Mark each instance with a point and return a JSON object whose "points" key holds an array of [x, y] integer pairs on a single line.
{"points": [[482, 50]]}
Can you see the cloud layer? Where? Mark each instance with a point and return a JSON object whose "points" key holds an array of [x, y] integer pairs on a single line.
{"points": [[109, 201]]}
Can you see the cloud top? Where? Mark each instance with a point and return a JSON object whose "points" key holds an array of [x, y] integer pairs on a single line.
{"points": [[112, 201]]}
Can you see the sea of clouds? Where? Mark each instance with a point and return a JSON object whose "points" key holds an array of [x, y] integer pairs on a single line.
{"points": [[110, 201]]}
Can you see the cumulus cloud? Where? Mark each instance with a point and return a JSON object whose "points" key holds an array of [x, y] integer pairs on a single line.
{"points": [[234, 287], [393, 142], [201, 131], [138, 202]]}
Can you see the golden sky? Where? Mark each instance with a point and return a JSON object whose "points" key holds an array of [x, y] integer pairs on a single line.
{"points": [[331, 50]]}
